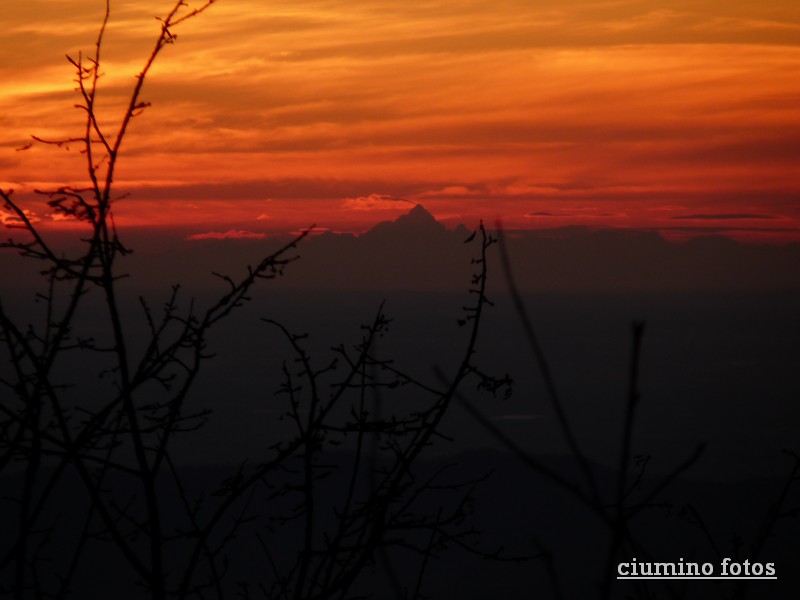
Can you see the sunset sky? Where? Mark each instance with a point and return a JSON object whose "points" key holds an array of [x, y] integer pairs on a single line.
{"points": [[681, 116]]}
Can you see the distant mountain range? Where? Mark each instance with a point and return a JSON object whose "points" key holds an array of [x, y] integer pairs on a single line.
{"points": [[417, 253]]}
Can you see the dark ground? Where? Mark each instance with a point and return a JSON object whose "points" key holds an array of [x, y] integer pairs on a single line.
{"points": [[719, 366]]}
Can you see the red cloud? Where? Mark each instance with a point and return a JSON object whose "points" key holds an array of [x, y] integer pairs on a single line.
{"points": [[231, 234]]}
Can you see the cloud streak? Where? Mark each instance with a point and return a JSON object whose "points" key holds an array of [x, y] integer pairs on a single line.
{"points": [[231, 234], [724, 217]]}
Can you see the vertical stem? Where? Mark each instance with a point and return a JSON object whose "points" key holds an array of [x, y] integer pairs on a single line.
{"points": [[620, 527]]}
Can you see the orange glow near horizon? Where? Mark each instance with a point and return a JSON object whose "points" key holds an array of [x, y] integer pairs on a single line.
{"points": [[671, 115]]}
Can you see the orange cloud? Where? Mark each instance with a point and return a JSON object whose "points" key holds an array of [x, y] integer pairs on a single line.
{"points": [[377, 202]]}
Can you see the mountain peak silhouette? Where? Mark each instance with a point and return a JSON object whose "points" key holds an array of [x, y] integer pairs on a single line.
{"points": [[417, 214], [418, 221]]}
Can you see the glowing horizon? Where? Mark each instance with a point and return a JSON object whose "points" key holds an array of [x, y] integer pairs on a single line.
{"points": [[680, 117]]}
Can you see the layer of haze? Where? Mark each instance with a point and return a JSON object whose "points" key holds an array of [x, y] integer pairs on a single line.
{"points": [[670, 115]]}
